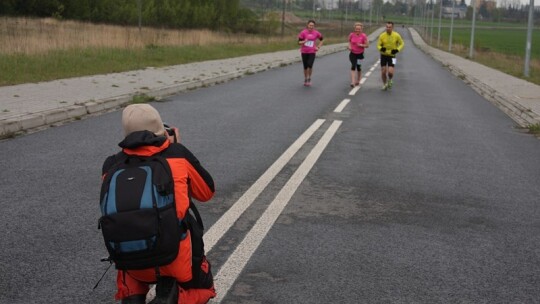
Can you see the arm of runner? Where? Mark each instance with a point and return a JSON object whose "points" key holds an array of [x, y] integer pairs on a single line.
{"points": [[320, 43], [400, 44]]}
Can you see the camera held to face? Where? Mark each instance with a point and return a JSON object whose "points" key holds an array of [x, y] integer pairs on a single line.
{"points": [[169, 129]]}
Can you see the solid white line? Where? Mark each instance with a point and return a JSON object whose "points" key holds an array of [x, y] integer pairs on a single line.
{"points": [[214, 234], [230, 271], [342, 105], [354, 90]]}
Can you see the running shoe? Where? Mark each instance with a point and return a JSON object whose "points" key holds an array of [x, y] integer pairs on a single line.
{"points": [[390, 83], [384, 87], [352, 85]]}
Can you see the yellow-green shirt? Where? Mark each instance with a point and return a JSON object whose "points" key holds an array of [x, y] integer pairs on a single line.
{"points": [[390, 42]]}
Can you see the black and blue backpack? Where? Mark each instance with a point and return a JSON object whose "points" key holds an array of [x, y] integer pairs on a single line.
{"points": [[139, 222]]}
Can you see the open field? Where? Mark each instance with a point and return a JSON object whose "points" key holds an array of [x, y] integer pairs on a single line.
{"points": [[500, 48], [34, 50], [30, 36], [505, 40]]}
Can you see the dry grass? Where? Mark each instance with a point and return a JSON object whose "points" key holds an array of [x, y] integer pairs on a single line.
{"points": [[34, 36]]}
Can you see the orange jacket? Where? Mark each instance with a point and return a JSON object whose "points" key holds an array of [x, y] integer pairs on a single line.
{"points": [[190, 180]]}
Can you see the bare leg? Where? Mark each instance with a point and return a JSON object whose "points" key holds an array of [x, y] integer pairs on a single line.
{"points": [[383, 74], [390, 72], [352, 76]]}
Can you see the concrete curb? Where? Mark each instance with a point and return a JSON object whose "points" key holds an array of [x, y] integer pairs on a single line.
{"points": [[29, 121]]}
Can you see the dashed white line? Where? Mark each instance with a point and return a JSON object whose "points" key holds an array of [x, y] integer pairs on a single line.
{"points": [[232, 268], [341, 105], [354, 90]]}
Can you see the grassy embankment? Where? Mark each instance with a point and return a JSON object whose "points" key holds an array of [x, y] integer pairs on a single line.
{"points": [[33, 50], [501, 49]]}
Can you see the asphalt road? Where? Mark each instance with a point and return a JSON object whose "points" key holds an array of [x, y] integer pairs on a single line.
{"points": [[424, 194]]}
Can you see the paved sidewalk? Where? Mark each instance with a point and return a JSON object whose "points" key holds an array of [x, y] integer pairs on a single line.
{"points": [[33, 106], [516, 97]]}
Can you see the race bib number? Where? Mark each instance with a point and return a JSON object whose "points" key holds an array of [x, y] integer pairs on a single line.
{"points": [[394, 60], [309, 43]]}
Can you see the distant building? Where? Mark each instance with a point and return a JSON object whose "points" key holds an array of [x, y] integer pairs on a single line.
{"points": [[459, 11], [328, 4], [490, 4]]}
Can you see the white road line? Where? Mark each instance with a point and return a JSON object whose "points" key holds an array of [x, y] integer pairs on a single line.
{"points": [[353, 91], [368, 73], [230, 271], [363, 80], [342, 105], [225, 222], [214, 234]]}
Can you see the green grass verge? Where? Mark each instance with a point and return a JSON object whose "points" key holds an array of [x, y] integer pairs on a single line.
{"points": [[17, 69], [500, 48], [534, 129], [505, 41]]}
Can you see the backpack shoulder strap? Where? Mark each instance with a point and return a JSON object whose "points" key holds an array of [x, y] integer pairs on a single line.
{"points": [[196, 213]]}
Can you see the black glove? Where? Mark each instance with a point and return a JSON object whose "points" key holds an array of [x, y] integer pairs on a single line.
{"points": [[383, 49], [394, 52]]}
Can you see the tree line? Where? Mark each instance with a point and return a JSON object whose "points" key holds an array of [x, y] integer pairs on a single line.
{"points": [[225, 15]]}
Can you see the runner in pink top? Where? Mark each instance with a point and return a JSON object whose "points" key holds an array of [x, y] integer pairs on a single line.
{"points": [[309, 47], [358, 41]]}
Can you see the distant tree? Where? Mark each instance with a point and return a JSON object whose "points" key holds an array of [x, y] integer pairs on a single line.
{"points": [[212, 14], [483, 11]]}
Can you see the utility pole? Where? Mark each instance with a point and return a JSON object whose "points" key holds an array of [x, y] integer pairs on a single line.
{"points": [[370, 12], [529, 39], [439, 33], [471, 47], [139, 6], [431, 27], [425, 18], [451, 26], [283, 20]]}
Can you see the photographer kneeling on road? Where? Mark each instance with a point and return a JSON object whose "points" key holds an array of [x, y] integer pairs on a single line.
{"points": [[188, 272]]}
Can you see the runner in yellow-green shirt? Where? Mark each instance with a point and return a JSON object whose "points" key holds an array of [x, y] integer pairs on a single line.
{"points": [[389, 44]]}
